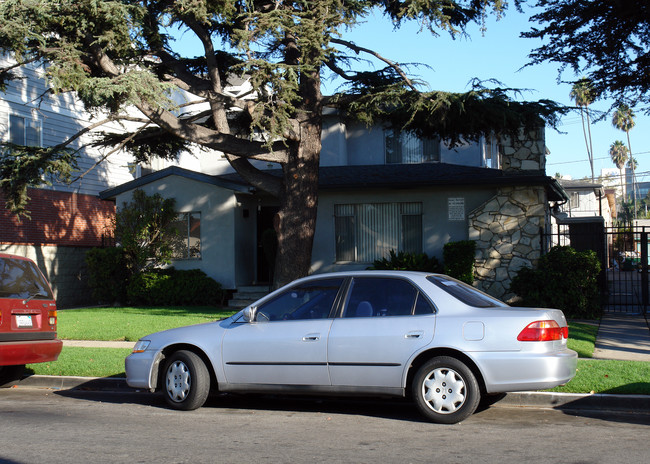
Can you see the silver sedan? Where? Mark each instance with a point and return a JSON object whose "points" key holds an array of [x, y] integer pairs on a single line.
{"points": [[426, 336]]}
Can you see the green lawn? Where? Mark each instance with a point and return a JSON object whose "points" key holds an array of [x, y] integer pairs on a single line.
{"points": [[599, 376], [129, 324]]}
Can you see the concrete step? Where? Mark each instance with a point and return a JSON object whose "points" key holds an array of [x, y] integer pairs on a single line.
{"points": [[245, 296]]}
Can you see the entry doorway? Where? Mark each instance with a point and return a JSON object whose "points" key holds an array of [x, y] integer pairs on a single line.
{"points": [[266, 243]]}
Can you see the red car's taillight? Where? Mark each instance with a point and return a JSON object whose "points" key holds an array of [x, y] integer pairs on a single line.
{"points": [[543, 331], [52, 315]]}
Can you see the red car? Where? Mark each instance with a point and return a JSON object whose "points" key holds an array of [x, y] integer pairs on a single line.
{"points": [[27, 318]]}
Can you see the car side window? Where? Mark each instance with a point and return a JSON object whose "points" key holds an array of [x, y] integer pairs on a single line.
{"points": [[380, 296], [310, 300]]}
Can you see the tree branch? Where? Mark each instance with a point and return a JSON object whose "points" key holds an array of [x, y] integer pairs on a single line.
{"points": [[357, 49]]}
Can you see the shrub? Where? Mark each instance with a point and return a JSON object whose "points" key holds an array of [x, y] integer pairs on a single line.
{"points": [[169, 287], [565, 279], [403, 261], [459, 260], [143, 227], [107, 274]]}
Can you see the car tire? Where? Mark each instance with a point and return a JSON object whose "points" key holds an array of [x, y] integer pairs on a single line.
{"points": [[186, 381], [446, 390]]}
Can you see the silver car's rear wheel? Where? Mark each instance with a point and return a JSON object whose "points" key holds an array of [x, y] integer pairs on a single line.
{"points": [[446, 390], [187, 381]]}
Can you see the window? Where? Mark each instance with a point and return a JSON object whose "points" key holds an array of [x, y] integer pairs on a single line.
{"points": [[381, 296], [366, 232], [188, 234], [21, 279], [24, 131], [408, 148], [310, 300], [575, 200], [465, 293], [491, 152]]}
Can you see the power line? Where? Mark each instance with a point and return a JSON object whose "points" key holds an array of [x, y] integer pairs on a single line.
{"points": [[595, 159]]}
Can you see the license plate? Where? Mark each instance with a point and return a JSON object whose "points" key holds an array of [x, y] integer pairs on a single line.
{"points": [[24, 321]]}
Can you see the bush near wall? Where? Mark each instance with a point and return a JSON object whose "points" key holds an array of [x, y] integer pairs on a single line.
{"points": [[403, 261], [107, 276], [459, 260], [170, 286], [564, 279]]}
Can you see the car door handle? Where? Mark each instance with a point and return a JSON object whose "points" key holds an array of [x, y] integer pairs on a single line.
{"points": [[311, 337], [415, 334]]}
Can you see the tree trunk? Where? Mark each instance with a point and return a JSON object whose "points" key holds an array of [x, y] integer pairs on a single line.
{"points": [[295, 222]]}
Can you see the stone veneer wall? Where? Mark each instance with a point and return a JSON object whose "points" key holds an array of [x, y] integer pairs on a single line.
{"points": [[507, 228]]}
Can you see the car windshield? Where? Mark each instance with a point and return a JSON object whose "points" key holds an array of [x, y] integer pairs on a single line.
{"points": [[21, 279], [465, 293]]}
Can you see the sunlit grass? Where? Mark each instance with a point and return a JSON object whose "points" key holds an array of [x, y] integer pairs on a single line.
{"points": [[609, 376], [85, 362], [129, 324]]}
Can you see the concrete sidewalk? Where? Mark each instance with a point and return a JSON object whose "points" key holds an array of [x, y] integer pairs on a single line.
{"points": [[623, 336]]}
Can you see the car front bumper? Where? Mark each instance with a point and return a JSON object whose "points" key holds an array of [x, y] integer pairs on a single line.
{"points": [[142, 369]]}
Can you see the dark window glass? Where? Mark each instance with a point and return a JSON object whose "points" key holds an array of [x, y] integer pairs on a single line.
{"points": [[380, 296], [423, 306], [310, 300], [22, 279], [465, 293]]}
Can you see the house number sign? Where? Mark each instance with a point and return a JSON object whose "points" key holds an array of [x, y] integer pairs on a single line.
{"points": [[456, 207]]}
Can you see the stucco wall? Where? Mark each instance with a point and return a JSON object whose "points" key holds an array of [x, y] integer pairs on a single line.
{"points": [[436, 226], [218, 207]]}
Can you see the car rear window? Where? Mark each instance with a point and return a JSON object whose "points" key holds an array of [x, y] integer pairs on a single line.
{"points": [[21, 279], [465, 293]]}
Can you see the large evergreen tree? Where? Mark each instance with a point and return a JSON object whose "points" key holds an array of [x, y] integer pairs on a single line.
{"points": [[608, 41], [121, 54]]}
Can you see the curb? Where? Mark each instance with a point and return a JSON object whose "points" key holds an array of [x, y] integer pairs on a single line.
{"points": [[537, 400]]}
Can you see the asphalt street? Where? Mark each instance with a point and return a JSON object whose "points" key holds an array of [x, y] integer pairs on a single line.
{"points": [[69, 426]]}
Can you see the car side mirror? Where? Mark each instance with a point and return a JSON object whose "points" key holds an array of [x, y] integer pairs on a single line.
{"points": [[250, 314]]}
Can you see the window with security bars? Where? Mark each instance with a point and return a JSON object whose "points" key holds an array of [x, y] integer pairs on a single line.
{"points": [[408, 148], [24, 131], [187, 244], [368, 231]]}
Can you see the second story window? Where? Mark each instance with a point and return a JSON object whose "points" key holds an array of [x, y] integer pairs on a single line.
{"points": [[24, 131], [408, 148]]}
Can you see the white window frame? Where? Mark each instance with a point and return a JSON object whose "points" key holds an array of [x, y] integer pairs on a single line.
{"points": [[28, 121], [191, 245]]}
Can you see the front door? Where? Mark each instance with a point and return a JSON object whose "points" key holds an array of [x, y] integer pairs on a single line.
{"points": [[287, 343]]}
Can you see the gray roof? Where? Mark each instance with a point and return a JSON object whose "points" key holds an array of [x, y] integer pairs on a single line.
{"points": [[236, 185], [392, 176]]}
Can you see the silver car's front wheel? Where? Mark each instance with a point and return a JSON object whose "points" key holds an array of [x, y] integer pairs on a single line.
{"points": [[446, 390], [186, 381]]}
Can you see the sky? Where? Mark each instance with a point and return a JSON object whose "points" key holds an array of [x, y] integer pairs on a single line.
{"points": [[499, 53]]}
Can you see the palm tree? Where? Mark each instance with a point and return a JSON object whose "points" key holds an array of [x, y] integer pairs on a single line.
{"points": [[623, 119], [618, 152], [584, 95]]}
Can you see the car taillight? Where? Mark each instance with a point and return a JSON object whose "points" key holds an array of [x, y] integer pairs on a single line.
{"points": [[51, 316], [543, 331]]}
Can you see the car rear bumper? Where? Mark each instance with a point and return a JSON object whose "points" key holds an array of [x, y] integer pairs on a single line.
{"points": [[29, 352], [506, 372]]}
